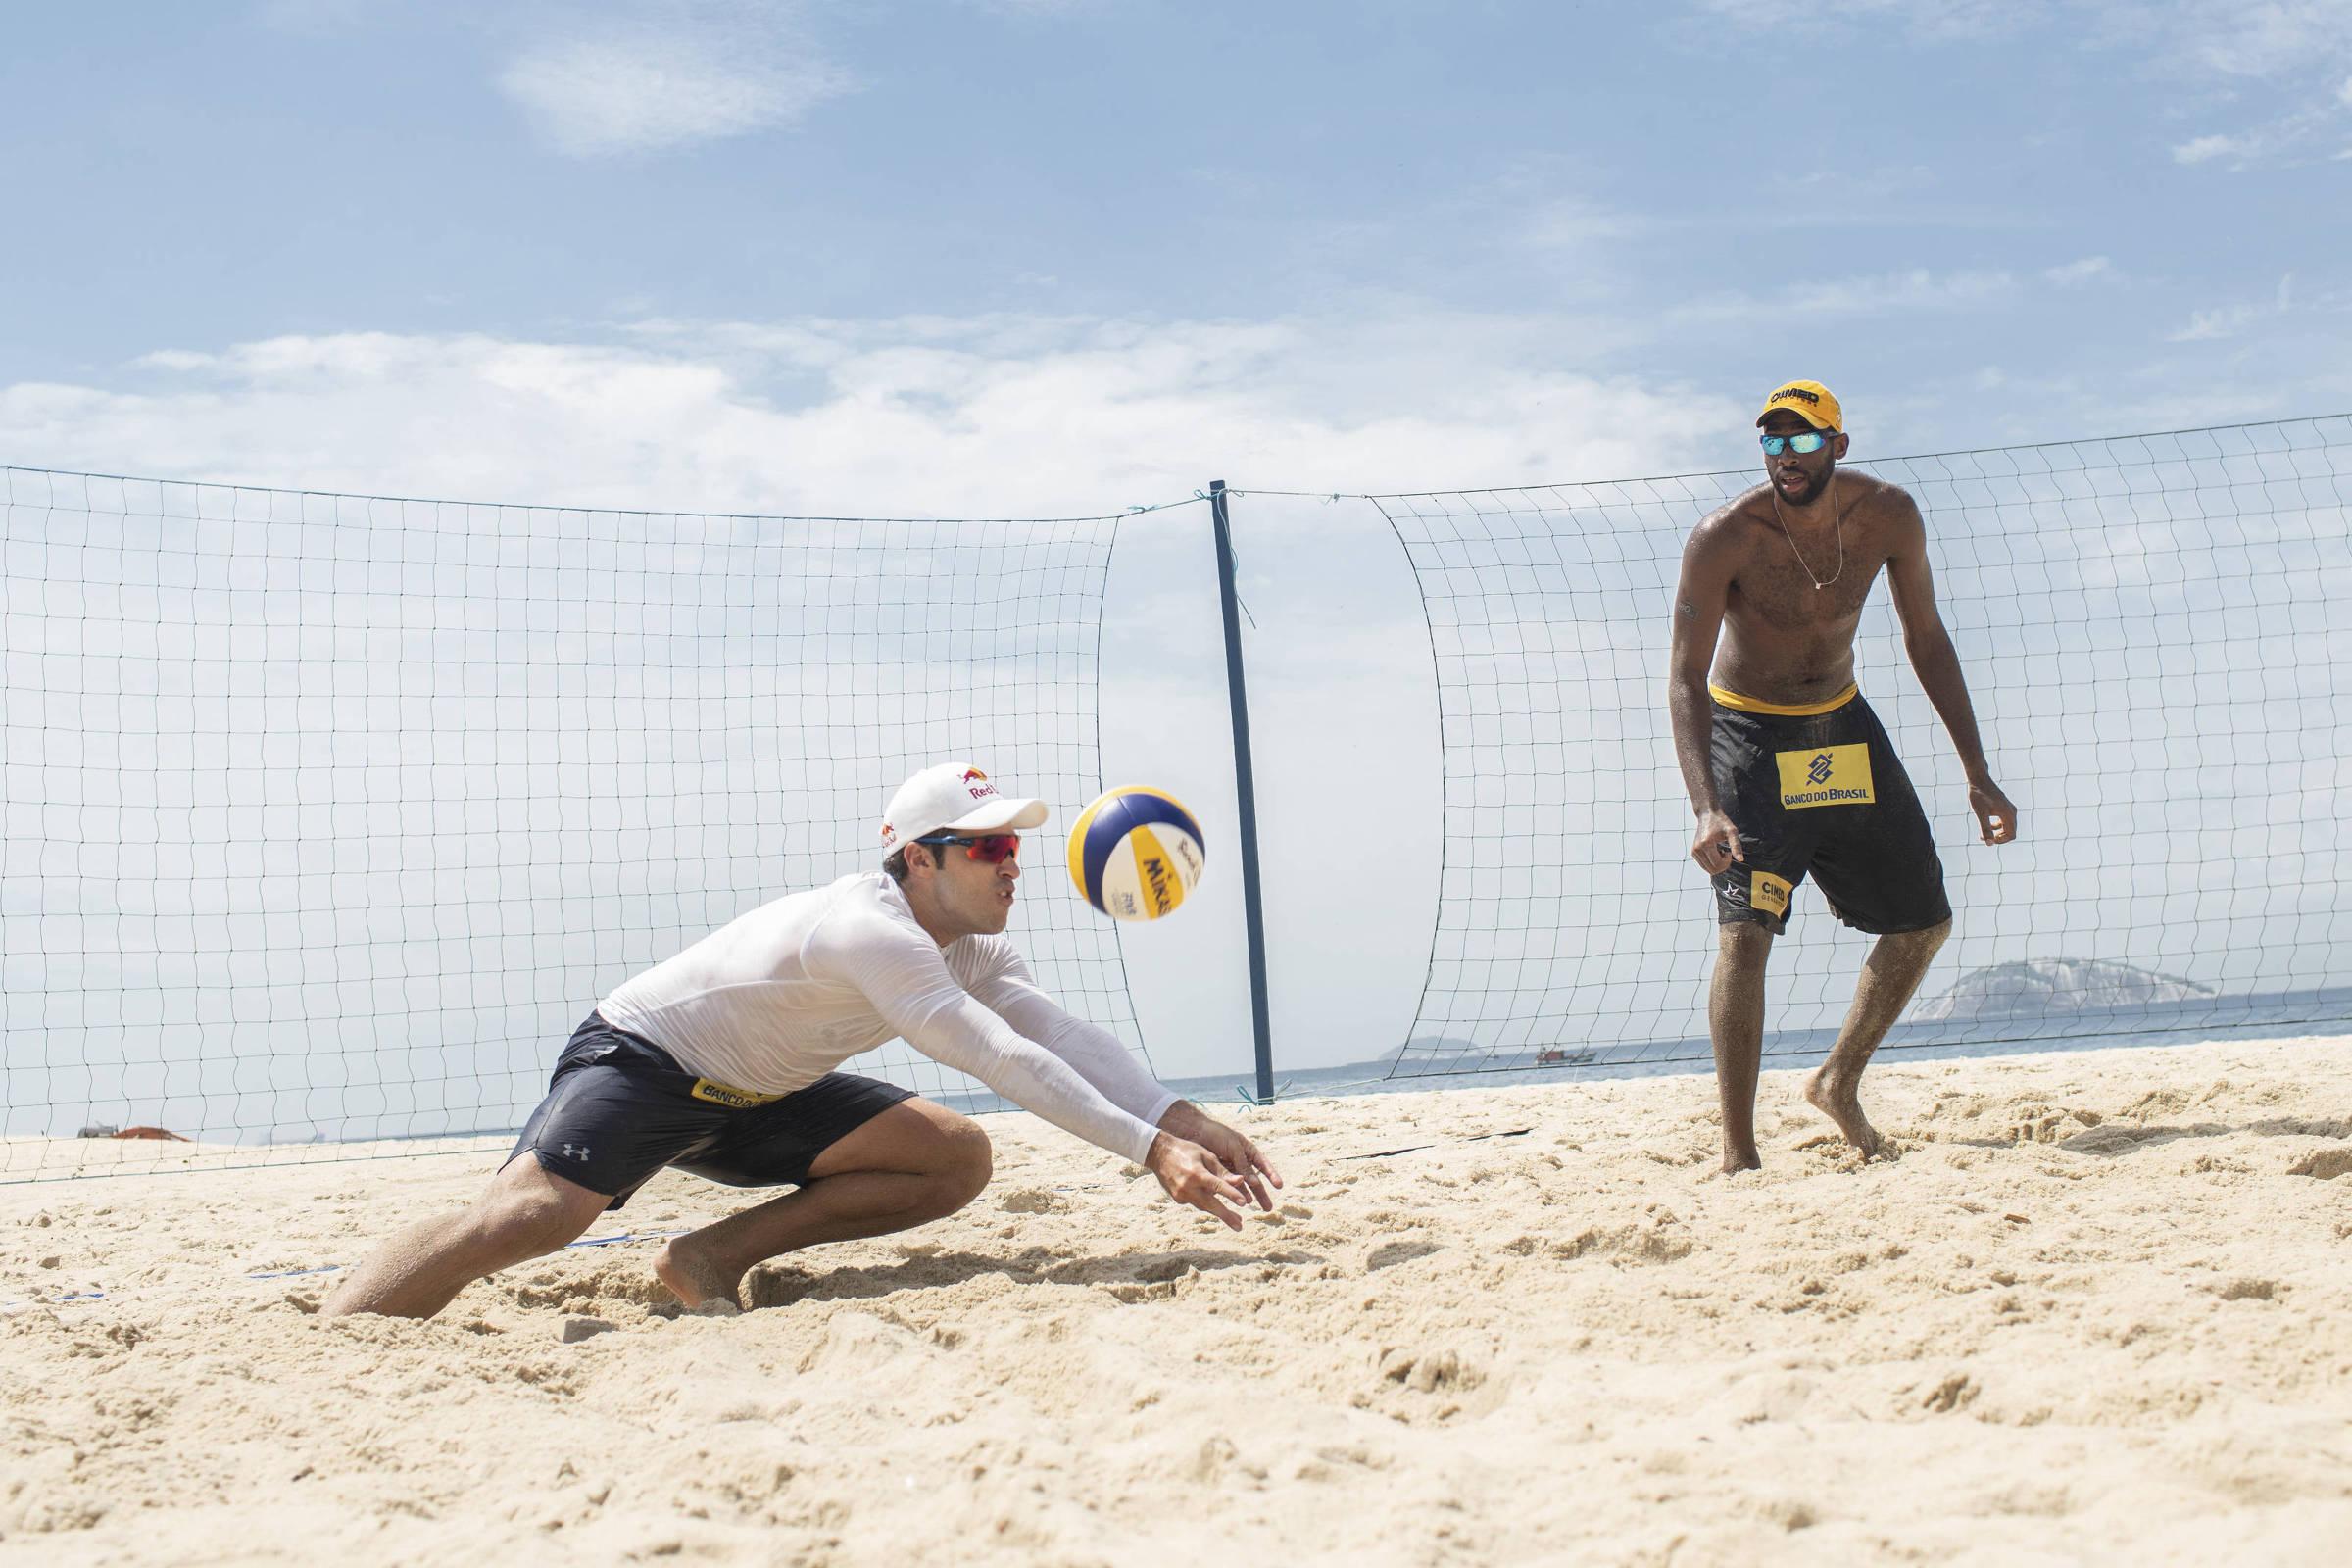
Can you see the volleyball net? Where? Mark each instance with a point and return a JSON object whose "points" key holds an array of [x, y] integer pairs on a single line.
{"points": [[2152, 630], [324, 819]]}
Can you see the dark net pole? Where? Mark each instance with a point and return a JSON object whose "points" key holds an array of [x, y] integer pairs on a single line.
{"points": [[1246, 793]]}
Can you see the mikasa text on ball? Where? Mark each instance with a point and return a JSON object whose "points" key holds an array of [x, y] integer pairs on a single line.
{"points": [[1135, 852]]}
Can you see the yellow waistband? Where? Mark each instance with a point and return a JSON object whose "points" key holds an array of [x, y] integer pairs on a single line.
{"points": [[1750, 705]]}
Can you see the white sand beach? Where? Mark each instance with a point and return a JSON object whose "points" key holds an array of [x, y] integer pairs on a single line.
{"points": [[2098, 1308]]}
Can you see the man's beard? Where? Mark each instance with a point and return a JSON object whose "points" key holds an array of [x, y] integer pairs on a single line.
{"points": [[1814, 486]]}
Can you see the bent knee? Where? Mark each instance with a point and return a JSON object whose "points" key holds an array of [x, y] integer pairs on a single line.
{"points": [[966, 1160], [538, 1215], [534, 1226], [1743, 941], [956, 1157], [1929, 940]]}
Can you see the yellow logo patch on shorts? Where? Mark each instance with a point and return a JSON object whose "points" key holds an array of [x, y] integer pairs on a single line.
{"points": [[729, 1096], [1767, 894], [1827, 775]]}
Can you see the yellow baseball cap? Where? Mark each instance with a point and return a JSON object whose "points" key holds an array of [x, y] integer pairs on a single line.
{"points": [[1809, 401]]}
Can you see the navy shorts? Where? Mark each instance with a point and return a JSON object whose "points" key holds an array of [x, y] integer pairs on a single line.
{"points": [[1823, 793], [620, 1108]]}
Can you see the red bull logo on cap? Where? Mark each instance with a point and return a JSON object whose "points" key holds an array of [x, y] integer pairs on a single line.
{"points": [[889, 835], [985, 786]]}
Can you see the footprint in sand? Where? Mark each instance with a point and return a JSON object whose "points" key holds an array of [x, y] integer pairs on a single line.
{"points": [[1391, 1253]]}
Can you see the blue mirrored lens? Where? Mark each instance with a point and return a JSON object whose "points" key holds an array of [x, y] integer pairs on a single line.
{"points": [[1807, 441]]}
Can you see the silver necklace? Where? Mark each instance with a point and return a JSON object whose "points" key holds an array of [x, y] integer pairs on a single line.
{"points": [[1836, 521]]}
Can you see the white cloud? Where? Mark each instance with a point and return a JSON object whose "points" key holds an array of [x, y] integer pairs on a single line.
{"points": [[601, 79], [1035, 8], [1914, 289], [2296, 50], [2230, 320], [1933, 19], [651, 79], [1874, 185], [2205, 149], [1012, 415], [2230, 37], [1909, 291], [2284, 139], [2205, 327], [2087, 270], [319, 18], [2267, 38], [1577, 226]]}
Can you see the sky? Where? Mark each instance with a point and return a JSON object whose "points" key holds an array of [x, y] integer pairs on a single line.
{"points": [[962, 258], [959, 256]]}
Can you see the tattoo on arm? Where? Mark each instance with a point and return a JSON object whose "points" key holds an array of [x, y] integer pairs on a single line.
{"points": [[1686, 608]]}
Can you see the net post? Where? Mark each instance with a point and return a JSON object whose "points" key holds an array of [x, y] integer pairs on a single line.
{"points": [[1245, 791]]}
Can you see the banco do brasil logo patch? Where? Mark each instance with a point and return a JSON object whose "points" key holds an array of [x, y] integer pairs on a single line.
{"points": [[1828, 775]]}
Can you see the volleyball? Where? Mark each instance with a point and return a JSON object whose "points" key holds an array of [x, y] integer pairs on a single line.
{"points": [[1135, 852]]}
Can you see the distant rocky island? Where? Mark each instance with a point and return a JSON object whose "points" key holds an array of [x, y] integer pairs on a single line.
{"points": [[1445, 1053], [2025, 989], [2039, 987], [1431, 1048]]}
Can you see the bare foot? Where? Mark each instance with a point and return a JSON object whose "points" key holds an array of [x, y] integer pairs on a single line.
{"points": [[696, 1281], [1842, 1105], [1735, 1160]]}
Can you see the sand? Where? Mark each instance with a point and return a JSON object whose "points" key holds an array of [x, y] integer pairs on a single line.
{"points": [[2089, 1312]]}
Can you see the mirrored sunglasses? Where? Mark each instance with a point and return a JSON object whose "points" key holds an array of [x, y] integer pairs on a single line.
{"points": [[1802, 441], [992, 849]]}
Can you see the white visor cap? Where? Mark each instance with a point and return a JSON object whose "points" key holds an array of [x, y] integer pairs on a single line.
{"points": [[953, 796]]}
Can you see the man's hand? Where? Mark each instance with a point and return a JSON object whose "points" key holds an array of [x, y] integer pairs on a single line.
{"points": [[1996, 818], [1237, 1153], [1191, 1174], [1716, 844]]}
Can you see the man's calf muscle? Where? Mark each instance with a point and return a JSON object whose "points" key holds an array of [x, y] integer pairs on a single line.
{"points": [[527, 1212]]}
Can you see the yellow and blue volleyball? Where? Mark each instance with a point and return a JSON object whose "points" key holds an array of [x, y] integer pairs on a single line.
{"points": [[1135, 852]]}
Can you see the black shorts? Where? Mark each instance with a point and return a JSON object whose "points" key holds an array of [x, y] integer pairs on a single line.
{"points": [[1823, 793], [620, 1108]]}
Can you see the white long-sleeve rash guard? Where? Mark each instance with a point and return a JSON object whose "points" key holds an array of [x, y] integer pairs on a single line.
{"points": [[776, 998]]}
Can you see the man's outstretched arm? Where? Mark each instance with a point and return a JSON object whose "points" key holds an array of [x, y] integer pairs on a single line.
{"points": [[908, 983], [1699, 601], [1911, 583], [1232, 1147], [1098, 1057], [972, 1039]]}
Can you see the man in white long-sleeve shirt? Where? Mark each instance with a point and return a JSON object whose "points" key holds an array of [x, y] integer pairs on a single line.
{"points": [[720, 1062]]}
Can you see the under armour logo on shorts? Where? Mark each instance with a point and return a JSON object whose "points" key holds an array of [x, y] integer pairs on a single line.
{"points": [[575, 1150]]}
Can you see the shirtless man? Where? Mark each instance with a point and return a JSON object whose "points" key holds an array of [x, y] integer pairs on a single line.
{"points": [[720, 1062], [1787, 769]]}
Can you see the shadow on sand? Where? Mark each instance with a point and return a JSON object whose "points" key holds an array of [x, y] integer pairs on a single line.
{"points": [[2113, 1139], [1128, 1276]]}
